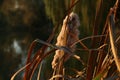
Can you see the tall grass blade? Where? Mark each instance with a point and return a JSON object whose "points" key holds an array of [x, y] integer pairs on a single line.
{"points": [[112, 42], [13, 77], [93, 54]]}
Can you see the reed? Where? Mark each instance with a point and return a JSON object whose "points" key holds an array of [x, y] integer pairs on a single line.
{"points": [[103, 60]]}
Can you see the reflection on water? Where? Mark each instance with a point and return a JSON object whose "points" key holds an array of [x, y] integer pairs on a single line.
{"points": [[16, 47]]}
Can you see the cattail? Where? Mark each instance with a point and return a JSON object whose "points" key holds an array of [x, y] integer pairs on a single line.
{"points": [[68, 35]]}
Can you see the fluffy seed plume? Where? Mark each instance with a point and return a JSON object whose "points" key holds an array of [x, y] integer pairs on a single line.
{"points": [[68, 35]]}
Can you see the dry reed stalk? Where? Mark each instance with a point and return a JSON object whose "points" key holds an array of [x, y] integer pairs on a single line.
{"points": [[39, 72], [109, 28], [16, 73], [112, 42], [91, 69], [29, 59], [70, 26]]}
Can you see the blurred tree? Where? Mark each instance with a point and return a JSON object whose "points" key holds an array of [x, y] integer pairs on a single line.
{"points": [[55, 9], [21, 21]]}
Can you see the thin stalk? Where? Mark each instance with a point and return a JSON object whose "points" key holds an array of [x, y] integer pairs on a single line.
{"points": [[13, 77], [111, 25]]}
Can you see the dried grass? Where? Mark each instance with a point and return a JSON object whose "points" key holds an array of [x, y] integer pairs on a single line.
{"points": [[103, 62]]}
